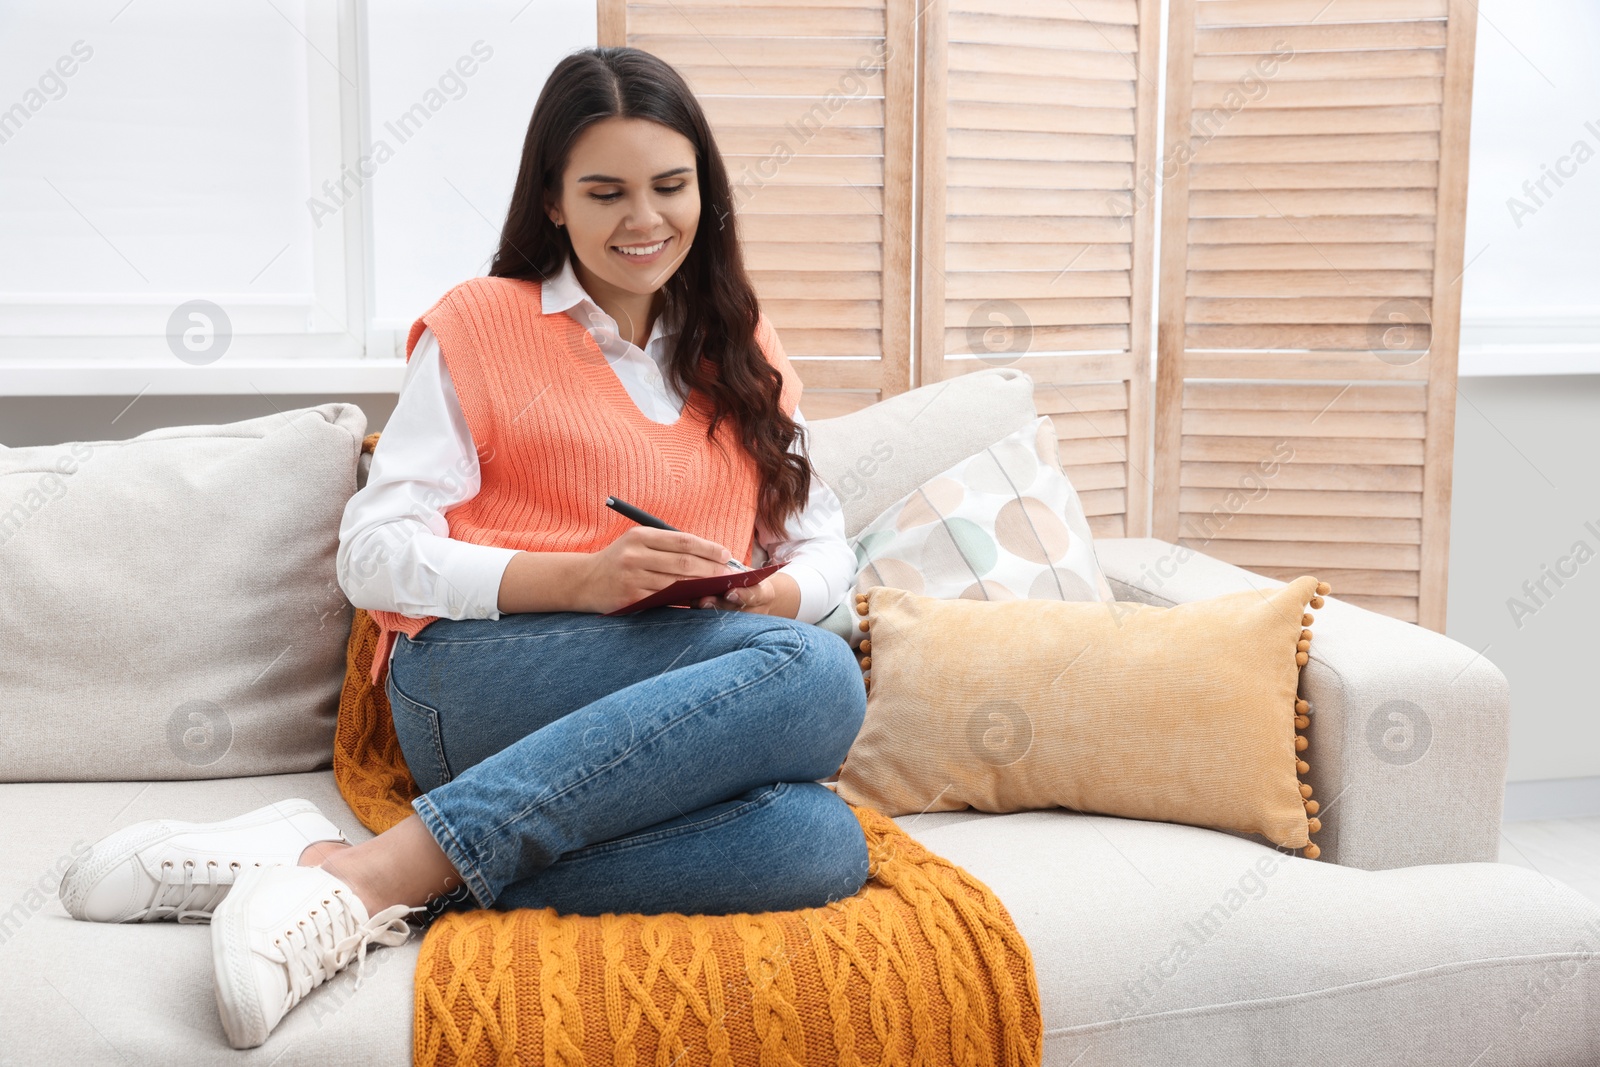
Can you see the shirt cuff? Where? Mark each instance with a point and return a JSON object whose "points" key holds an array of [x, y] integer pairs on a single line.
{"points": [[813, 591], [471, 575]]}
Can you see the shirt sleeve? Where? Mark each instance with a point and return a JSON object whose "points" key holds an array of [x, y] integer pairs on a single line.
{"points": [[813, 547], [395, 552]]}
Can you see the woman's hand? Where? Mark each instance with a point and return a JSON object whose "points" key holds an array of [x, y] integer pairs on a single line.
{"points": [[776, 594], [758, 598], [645, 560]]}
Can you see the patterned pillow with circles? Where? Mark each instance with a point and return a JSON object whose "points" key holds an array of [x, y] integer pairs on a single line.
{"points": [[1004, 524]]}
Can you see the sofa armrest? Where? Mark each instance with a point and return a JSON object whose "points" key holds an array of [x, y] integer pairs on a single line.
{"points": [[1409, 734]]}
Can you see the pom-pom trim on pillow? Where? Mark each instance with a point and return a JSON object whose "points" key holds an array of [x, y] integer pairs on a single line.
{"points": [[1300, 711]]}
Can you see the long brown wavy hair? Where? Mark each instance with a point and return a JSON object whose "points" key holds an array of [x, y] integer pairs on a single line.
{"points": [[710, 294]]}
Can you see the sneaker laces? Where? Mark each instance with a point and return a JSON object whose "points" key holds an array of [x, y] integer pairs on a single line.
{"points": [[177, 892], [320, 945]]}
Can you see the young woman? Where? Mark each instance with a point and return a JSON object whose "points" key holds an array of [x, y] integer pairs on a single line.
{"points": [[665, 760]]}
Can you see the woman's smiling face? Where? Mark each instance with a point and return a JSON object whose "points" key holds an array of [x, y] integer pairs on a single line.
{"points": [[630, 202]]}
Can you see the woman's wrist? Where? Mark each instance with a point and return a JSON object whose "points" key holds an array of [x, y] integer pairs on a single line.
{"points": [[786, 601], [545, 581]]}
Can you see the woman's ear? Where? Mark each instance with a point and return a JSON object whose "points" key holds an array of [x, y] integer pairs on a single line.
{"points": [[555, 214]]}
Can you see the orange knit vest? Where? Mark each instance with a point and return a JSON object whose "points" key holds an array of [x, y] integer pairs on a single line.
{"points": [[557, 432]]}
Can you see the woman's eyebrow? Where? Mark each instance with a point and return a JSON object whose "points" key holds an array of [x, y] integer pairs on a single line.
{"points": [[608, 180]]}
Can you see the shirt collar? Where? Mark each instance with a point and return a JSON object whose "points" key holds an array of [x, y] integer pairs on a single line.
{"points": [[563, 292]]}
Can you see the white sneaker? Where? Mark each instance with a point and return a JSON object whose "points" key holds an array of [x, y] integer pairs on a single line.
{"points": [[166, 869], [283, 932]]}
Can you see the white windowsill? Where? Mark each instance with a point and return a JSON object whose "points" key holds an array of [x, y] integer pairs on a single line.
{"points": [[1492, 346], [1502, 361], [1505, 343], [226, 377]]}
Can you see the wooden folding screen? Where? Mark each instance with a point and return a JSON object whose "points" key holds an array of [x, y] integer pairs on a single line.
{"points": [[812, 109], [1311, 258], [1036, 244], [1313, 181]]}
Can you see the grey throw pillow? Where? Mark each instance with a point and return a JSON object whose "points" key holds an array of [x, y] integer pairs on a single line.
{"points": [[168, 603], [874, 457]]}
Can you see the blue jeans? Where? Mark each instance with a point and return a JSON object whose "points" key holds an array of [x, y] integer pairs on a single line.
{"points": [[666, 760]]}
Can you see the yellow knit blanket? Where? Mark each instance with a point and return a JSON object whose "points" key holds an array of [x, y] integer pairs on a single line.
{"points": [[921, 968]]}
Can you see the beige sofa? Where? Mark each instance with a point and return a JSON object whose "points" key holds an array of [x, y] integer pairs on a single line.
{"points": [[1154, 943]]}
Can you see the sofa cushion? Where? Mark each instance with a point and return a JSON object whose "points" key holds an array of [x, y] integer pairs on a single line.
{"points": [[1159, 944], [1153, 944], [170, 607], [91, 993]]}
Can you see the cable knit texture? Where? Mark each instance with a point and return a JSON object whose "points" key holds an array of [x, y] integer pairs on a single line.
{"points": [[556, 433], [922, 966]]}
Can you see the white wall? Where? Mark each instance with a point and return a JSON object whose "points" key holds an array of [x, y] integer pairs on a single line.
{"points": [[1526, 484]]}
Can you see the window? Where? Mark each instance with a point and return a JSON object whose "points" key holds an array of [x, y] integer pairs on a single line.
{"points": [[158, 170], [1531, 292]]}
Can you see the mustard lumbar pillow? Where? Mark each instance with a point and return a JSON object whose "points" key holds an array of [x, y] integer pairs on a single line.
{"points": [[1185, 714]]}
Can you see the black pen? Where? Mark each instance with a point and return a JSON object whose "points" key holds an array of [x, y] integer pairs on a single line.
{"points": [[644, 518]]}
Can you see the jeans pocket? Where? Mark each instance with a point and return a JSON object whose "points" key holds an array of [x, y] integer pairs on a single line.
{"points": [[416, 727]]}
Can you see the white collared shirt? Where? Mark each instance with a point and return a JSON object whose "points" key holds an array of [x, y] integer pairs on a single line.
{"points": [[429, 464]]}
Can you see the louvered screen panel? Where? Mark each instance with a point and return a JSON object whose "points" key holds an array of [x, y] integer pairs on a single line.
{"points": [[1036, 252], [812, 109], [1310, 269]]}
